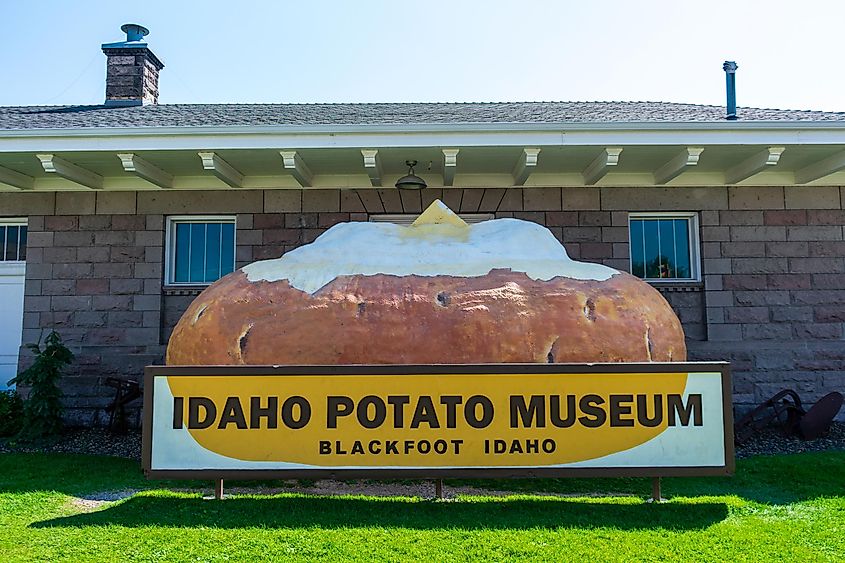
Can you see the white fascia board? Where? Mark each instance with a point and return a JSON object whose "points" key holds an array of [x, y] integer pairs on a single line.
{"points": [[464, 135]]}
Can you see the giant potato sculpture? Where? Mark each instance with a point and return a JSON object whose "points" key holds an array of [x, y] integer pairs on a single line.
{"points": [[437, 292]]}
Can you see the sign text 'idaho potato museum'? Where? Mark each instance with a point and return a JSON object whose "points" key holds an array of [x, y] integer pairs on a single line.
{"points": [[600, 419]]}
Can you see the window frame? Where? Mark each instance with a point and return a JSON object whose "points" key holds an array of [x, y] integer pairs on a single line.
{"points": [[694, 245], [170, 244], [14, 222]]}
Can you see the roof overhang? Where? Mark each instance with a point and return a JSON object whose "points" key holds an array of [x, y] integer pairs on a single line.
{"points": [[468, 155]]}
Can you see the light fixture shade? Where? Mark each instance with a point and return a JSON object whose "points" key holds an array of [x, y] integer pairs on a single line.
{"points": [[411, 181]]}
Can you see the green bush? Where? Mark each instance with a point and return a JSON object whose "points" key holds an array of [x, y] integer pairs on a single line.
{"points": [[11, 413], [42, 410]]}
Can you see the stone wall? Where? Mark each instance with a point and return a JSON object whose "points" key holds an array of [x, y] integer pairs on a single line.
{"points": [[772, 300]]}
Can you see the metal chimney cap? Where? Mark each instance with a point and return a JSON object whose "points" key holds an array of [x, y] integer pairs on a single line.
{"points": [[134, 32], [730, 66]]}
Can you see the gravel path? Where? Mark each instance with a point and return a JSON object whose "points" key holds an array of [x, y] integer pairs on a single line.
{"points": [[98, 441]]}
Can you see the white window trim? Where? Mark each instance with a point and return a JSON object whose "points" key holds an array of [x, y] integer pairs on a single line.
{"points": [[408, 218], [695, 255], [14, 266], [170, 242]]}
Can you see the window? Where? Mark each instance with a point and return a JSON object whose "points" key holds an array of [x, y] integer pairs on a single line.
{"points": [[201, 250], [12, 240], [664, 247]]}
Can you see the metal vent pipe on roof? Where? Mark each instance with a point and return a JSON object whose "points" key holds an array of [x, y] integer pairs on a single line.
{"points": [[730, 80]]}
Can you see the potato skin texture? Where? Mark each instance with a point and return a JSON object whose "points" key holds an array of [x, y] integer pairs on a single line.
{"points": [[501, 317]]}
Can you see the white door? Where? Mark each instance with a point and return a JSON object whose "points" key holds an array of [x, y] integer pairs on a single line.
{"points": [[12, 270]]}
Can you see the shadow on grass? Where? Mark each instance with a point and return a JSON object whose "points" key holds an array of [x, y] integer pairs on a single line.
{"points": [[327, 512]]}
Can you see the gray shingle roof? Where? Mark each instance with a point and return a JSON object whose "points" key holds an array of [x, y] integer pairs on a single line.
{"points": [[189, 115]]}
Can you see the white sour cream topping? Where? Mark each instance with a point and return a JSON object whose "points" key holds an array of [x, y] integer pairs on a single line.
{"points": [[369, 249]]}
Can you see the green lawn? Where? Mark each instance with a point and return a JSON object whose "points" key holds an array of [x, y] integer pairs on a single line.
{"points": [[775, 508]]}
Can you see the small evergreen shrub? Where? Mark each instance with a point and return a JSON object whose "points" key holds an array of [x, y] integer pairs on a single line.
{"points": [[42, 409], [11, 413]]}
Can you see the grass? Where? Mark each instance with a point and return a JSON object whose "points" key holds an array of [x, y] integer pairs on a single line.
{"points": [[775, 508]]}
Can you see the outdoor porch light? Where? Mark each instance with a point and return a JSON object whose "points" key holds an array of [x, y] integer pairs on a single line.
{"points": [[411, 181]]}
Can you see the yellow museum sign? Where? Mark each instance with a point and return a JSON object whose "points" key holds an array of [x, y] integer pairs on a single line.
{"points": [[598, 419]]}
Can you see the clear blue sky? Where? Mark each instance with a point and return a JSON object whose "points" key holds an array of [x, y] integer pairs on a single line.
{"points": [[789, 53]]}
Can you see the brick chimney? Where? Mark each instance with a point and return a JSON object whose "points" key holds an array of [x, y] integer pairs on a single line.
{"points": [[131, 69]]}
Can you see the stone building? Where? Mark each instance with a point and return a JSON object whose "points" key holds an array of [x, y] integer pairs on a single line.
{"points": [[114, 216]]}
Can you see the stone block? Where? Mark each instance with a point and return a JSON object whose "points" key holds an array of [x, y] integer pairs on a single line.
{"points": [[596, 250], [32, 287], [428, 195], [812, 197], [784, 314], [740, 218], [90, 319], [490, 200], [594, 218], [125, 319], [244, 221], [789, 281], [724, 332], [39, 239], [826, 217], [766, 331], [819, 297], [310, 235], [826, 248], [709, 217], [114, 238], [785, 217], [149, 238], [249, 237], [125, 286], [129, 222], [112, 302], [61, 223], [327, 201], [747, 314], [715, 315], [512, 200], [226, 202], [614, 234], [282, 201], [817, 265], [109, 270], [745, 281], [281, 236], [269, 220], [760, 265], [71, 302], [786, 249], [326, 220], [815, 233], [116, 203], [533, 216], [581, 199], [828, 281], [582, 234], [58, 287], [59, 255], [371, 200], [148, 270], [80, 239], [151, 319], [155, 222], [621, 250], [663, 199], [743, 249], [828, 314], [146, 303], [92, 286], [94, 222], [27, 203], [713, 282], [711, 250], [75, 203], [72, 271], [716, 266], [562, 219], [470, 203], [130, 254], [392, 202], [541, 199], [756, 197], [759, 233], [752, 298], [716, 234], [39, 271], [812, 331], [350, 202], [450, 196]]}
